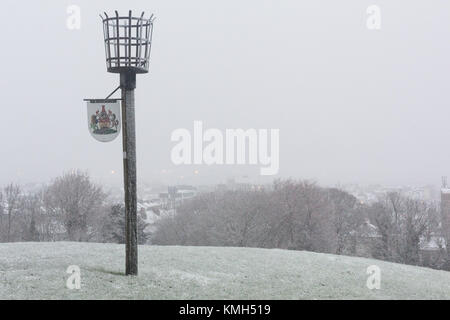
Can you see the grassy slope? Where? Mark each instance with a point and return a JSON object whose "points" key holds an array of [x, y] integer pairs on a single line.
{"points": [[38, 271]]}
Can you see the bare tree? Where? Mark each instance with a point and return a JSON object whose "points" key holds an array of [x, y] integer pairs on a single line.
{"points": [[12, 200], [300, 218], [237, 217], [285, 199], [347, 216], [75, 201], [416, 224], [402, 223], [30, 217]]}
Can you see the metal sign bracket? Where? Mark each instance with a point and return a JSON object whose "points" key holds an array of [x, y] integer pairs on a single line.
{"points": [[107, 99]]}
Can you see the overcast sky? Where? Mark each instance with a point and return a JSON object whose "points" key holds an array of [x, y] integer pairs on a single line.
{"points": [[352, 104]]}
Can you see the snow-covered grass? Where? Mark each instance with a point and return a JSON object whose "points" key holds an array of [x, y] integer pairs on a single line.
{"points": [[38, 271]]}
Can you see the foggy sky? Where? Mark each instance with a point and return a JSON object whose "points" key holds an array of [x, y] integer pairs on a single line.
{"points": [[352, 105]]}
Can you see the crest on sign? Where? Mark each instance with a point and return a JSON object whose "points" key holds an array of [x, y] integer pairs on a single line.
{"points": [[104, 119]]}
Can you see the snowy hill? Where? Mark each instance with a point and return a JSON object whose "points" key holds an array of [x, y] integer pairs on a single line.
{"points": [[38, 271]]}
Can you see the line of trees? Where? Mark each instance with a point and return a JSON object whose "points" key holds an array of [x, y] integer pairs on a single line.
{"points": [[71, 208], [300, 215], [295, 215]]}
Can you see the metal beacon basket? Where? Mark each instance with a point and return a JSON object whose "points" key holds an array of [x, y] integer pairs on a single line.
{"points": [[128, 42]]}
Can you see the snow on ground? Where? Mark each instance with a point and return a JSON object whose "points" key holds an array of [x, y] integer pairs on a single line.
{"points": [[38, 271]]}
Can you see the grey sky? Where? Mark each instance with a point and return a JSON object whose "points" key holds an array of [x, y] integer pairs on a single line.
{"points": [[352, 105]]}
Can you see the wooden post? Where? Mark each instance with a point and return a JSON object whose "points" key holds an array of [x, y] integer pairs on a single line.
{"points": [[128, 84]]}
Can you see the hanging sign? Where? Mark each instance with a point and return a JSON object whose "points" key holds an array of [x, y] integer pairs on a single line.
{"points": [[104, 119]]}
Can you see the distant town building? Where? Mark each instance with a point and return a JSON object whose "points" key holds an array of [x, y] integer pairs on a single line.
{"points": [[432, 249], [176, 195], [372, 193], [445, 209]]}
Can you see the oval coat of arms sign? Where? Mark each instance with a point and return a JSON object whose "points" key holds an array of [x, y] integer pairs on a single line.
{"points": [[104, 119]]}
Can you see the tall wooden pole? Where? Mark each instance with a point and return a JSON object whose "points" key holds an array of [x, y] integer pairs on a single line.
{"points": [[128, 84]]}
